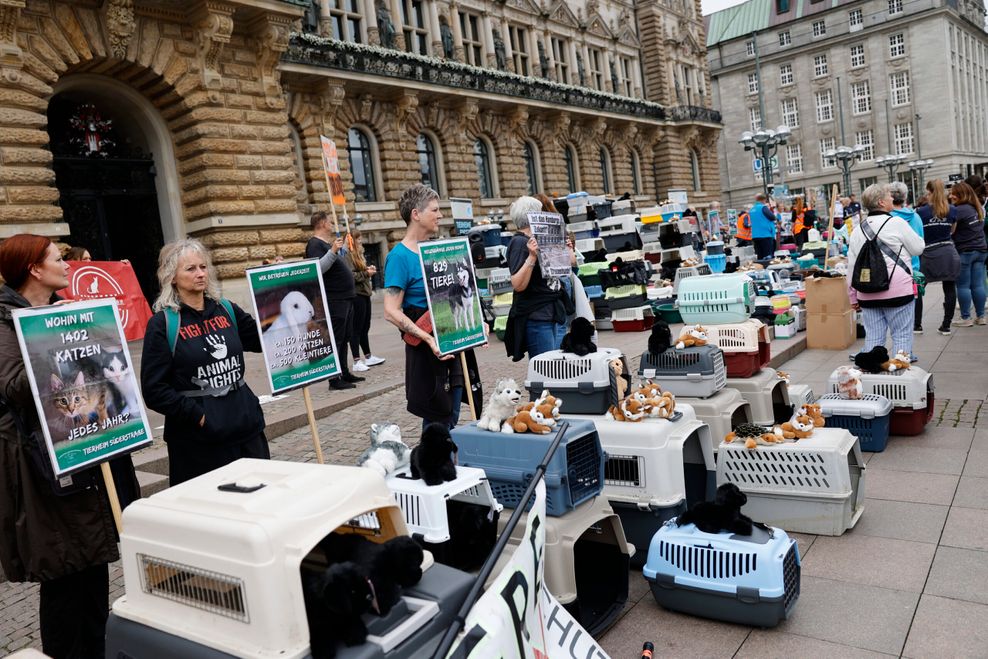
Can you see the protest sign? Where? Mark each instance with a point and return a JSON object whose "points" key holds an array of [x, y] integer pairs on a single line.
{"points": [[331, 167], [296, 335], [83, 382], [517, 616], [93, 280], [451, 290], [550, 233]]}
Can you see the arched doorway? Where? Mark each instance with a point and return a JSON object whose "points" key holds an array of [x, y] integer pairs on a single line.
{"points": [[109, 150]]}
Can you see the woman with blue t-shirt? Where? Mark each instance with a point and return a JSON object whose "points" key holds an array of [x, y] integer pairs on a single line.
{"points": [[433, 382]]}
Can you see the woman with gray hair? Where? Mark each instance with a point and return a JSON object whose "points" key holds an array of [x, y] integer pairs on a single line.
{"points": [[900, 208], [890, 310], [540, 305], [192, 368]]}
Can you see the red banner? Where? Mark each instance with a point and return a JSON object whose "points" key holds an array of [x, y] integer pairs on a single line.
{"points": [[90, 280]]}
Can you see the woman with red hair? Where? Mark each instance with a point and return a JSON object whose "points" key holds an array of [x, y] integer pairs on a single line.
{"points": [[64, 541]]}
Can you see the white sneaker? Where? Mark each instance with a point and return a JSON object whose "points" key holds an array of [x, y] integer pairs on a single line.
{"points": [[359, 366], [373, 361]]}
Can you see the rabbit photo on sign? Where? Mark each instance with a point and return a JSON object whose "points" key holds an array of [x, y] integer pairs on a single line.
{"points": [[285, 337]]}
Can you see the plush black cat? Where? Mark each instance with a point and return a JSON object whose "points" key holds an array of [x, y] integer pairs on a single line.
{"points": [[390, 566], [334, 601], [660, 339], [723, 514], [578, 339], [432, 459], [871, 361]]}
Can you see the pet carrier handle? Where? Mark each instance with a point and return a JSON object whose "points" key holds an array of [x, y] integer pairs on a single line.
{"points": [[457, 623]]}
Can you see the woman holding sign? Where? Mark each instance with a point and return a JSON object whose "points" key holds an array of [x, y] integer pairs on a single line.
{"points": [[192, 370], [65, 540]]}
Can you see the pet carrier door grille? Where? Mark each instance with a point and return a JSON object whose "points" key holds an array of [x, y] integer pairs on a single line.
{"points": [[708, 563], [411, 507], [625, 470], [583, 463], [195, 587], [562, 369], [803, 469], [790, 577]]}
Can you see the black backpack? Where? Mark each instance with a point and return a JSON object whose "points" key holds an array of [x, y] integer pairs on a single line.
{"points": [[871, 274]]}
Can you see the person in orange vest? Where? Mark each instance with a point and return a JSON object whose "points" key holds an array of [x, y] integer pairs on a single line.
{"points": [[800, 226], [743, 234]]}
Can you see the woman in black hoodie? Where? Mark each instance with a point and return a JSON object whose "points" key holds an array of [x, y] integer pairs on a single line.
{"points": [[192, 370]]}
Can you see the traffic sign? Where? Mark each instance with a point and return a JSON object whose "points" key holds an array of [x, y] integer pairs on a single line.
{"points": [[756, 165]]}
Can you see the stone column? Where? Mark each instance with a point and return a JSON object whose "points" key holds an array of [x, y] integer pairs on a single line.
{"points": [[488, 40], [587, 68], [454, 20], [574, 74], [399, 26], [370, 15], [547, 40], [325, 22], [432, 9], [636, 75], [533, 57], [509, 52]]}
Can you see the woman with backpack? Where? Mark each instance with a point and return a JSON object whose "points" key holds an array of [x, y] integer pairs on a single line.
{"points": [[969, 237], [940, 261], [881, 281], [192, 368]]}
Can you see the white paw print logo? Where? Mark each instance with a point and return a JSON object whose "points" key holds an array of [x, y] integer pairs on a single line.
{"points": [[216, 347]]}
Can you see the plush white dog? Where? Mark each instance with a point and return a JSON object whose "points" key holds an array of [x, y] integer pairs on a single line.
{"points": [[504, 400]]}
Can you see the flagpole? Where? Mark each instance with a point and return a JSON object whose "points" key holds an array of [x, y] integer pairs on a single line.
{"points": [[502, 541]]}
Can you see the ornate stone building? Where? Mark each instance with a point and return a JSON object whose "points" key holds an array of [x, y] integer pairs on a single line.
{"points": [[128, 123]]}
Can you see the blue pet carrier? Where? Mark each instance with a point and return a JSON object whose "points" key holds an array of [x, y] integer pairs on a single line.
{"points": [[716, 299], [575, 474], [748, 580], [867, 418]]}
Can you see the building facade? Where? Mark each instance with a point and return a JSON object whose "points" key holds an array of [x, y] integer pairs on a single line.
{"points": [[128, 123], [899, 77]]}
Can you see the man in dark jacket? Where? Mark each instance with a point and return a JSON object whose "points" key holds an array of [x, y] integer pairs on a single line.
{"points": [[326, 244]]}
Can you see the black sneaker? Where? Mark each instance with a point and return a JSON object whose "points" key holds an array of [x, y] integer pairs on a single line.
{"points": [[340, 383], [351, 378], [944, 331], [917, 330]]}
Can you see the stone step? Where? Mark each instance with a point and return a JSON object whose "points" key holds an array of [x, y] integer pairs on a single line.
{"points": [[151, 483]]}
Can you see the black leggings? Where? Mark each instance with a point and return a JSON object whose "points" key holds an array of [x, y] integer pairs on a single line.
{"points": [[949, 302], [73, 612], [360, 337]]}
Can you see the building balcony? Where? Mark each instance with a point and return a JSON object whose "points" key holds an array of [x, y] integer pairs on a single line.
{"points": [[308, 49]]}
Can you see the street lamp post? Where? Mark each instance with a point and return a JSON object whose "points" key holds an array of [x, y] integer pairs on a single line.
{"points": [[846, 156], [765, 142], [918, 169], [890, 164]]}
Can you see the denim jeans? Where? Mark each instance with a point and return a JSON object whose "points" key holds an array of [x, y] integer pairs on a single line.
{"points": [[543, 336], [971, 283]]}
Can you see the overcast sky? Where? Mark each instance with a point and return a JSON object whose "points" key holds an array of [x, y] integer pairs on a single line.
{"points": [[710, 6]]}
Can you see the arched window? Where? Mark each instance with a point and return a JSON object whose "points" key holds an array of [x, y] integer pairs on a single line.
{"points": [[530, 153], [605, 169], [572, 168], [298, 154], [358, 147], [695, 169], [428, 161], [485, 169], [636, 174]]}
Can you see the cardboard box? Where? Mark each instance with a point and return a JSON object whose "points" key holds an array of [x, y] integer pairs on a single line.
{"points": [[830, 331], [827, 295]]}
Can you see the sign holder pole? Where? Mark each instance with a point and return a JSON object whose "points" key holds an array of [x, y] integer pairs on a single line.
{"points": [[466, 385], [830, 227], [111, 493], [312, 424]]}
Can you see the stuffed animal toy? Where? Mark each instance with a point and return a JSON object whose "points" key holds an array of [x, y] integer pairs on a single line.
{"points": [[335, 599], [390, 566], [849, 383], [722, 514], [631, 409], [815, 412], [752, 435], [658, 404], [547, 405], [617, 366], [692, 336], [873, 360], [504, 400], [691, 262], [527, 421], [782, 375], [432, 459], [798, 427], [660, 339], [387, 452], [898, 363], [579, 339]]}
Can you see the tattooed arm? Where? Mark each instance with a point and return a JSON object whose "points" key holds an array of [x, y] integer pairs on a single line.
{"points": [[393, 297]]}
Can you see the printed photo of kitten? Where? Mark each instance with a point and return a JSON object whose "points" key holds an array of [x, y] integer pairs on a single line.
{"points": [[73, 403]]}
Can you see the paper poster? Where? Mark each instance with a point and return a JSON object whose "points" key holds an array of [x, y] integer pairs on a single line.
{"points": [[549, 231], [508, 621], [451, 290], [94, 280], [331, 167], [678, 196], [83, 382], [296, 334]]}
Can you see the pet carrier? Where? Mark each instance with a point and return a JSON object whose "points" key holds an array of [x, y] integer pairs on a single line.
{"points": [[490, 234], [659, 293], [623, 206], [577, 215], [767, 282], [588, 245], [499, 281], [799, 313], [574, 475], [768, 395], [589, 273], [745, 254], [583, 230], [502, 304], [867, 418], [746, 346], [626, 257], [500, 326], [586, 385], [815, 485], [747, 580], [602, 315], [635, 319], [456, 520], [785, 326], [652, 252], [807, 261], [620, 234], [623, 274], [697, 371], [603, 209], [655, 469], [722, 412], [212, 566], [626, 297], [651, 215], [911, 393], [586, 560], [716, 262], [800, 394], [593, 292], [716, 299], [691, 271]]}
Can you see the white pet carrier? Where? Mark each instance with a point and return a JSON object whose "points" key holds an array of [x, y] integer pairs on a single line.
{"points": [[911, 393], [691, 271], [814, 485], [723, 412], [738, 337], [586, 385], [634, 319], [768, 395], [499, 281]]}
